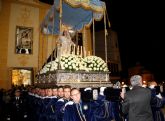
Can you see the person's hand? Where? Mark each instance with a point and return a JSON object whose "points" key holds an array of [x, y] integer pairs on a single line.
{"points": [[122, 94], [102, 90], [25, 116], [88, 88], [8, 119], [159, 96]]}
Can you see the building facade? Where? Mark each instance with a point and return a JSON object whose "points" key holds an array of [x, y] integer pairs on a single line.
{"points": [[113, 52]]}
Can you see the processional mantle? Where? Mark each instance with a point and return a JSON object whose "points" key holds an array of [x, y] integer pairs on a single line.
{"points": [[74, 65]]}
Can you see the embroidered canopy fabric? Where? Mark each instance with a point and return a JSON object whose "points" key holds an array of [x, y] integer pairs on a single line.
{"points": [[75, 13]]}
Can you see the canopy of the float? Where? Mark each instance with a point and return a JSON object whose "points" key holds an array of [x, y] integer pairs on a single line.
{"points": [[74, 13]]}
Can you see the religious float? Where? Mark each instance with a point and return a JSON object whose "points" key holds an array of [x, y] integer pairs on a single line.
{"points": [[77, 67]]}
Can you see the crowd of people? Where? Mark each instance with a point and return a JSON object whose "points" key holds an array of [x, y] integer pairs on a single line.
{"points": [[64, 103]]}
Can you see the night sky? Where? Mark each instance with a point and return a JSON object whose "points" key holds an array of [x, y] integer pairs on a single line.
{"points": [[139, 25]]}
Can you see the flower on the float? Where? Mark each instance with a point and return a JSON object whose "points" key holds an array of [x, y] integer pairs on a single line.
{"points": [[71, 63], [75, 63], [94, 63], [51, 66], [54, 65], [45, 68]]}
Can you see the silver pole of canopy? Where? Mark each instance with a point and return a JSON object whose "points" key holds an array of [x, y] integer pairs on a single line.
{"points": [[60, 28], [105, 34], [52, 19], [60, 16], [93, 34]]}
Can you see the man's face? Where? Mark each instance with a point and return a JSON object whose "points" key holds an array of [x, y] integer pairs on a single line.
{"points": [[60, 92], [17, 93], [42, 92], [76, 96], [49, 92], [67, 93], [54, 92]]}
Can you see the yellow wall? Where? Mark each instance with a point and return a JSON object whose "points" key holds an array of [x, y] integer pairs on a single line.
{"points": [[28, 13], [27, 16], [4, 28]]}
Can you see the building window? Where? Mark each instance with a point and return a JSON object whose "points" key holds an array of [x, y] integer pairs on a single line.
{"points": [[22, 76]]}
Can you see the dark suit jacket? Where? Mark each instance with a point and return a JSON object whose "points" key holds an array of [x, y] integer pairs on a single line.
{"points": [[137, 104], [17, 109]]}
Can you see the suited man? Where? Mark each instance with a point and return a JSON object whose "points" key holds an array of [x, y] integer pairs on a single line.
{"points": [[18, 109], [137, 101]]}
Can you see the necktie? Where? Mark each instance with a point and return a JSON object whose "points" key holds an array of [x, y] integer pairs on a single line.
{"points": [[82, 117], [80, 108]]}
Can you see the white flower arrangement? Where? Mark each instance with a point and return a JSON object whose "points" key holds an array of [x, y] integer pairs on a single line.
{"points": [[70, 62], [46, 68], [51, 66], [54, 65], [94, 63], [75, 63]]}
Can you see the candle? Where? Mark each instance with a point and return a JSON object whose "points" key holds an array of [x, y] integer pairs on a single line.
{"points": [[74, 51], [84, 51], [81, 51], [70, 50], [89, 53], [77, 50]]}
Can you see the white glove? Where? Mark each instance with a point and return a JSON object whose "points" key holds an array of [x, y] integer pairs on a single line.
{"points": [[8, 119], [124, 90], [25, 116], [151, 86], [88, 88], [102, 90], [125, 85], [95, 94], [159, 96], [161, 88]]}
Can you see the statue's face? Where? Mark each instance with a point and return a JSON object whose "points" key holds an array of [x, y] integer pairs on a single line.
{"points": [[65, 33]]}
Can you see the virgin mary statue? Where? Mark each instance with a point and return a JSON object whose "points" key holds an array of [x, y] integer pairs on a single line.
{"points": [[64, 44]]}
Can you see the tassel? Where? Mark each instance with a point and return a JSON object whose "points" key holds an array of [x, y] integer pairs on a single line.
{"points": [[52, 108]]}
